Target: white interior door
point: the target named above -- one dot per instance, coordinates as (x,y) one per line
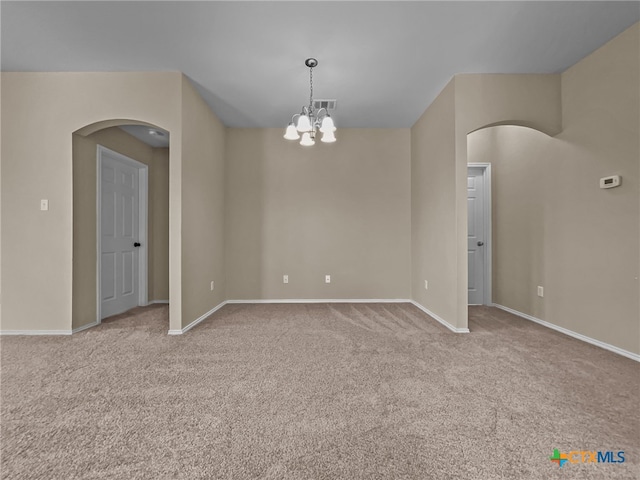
(119,225)
(476,234)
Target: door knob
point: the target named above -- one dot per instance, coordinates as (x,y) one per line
(479,244)
(136,244)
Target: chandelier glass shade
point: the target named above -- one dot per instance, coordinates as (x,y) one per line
(305,125)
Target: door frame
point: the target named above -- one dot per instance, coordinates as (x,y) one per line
(143,192)
(488,251)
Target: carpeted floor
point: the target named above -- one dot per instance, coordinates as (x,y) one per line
(318,391)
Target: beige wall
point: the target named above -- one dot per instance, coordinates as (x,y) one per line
(553,225)
(481,100)
(84,216)
(341,209)
(203,147)
(433,207)
(45,109)
(1,150)
(439,212)
(159,203)
(521,167)
(526,100)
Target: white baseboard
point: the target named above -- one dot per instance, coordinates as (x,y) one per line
(571,333)
(36,332)
(84,327)
(440,319)
(152,302)
(48,332)
(326,300)
(197,320)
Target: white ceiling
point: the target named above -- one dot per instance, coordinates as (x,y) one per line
(383,61)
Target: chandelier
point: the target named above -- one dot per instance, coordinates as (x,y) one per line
(310,120)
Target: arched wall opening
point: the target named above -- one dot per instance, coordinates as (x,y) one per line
(515,207)
(482,101)
(46,108)
(554,227)
(439,160)
(85,285)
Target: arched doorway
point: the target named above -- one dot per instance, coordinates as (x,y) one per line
(521,171)
(119,143)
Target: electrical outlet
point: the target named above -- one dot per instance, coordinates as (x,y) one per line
(212,285)
(327,279)
(44,204)
(426,285)
(285,279)
(540,291)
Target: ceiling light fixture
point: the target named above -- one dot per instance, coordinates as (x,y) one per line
(310,120)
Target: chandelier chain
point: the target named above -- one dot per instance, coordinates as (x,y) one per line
(311,88)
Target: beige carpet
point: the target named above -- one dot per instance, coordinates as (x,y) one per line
(320,391)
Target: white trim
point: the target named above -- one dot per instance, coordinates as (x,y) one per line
(84,327)
(488,241)
(35,332)
(325,300)
(98,233)
(198,320)
(143,237)
(152,302)
(143,192)
(440,319)
(571,333)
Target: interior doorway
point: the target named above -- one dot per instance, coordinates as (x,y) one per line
(479,233)
(145,148)
(122,186)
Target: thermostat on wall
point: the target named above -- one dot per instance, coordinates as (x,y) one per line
(610,182)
